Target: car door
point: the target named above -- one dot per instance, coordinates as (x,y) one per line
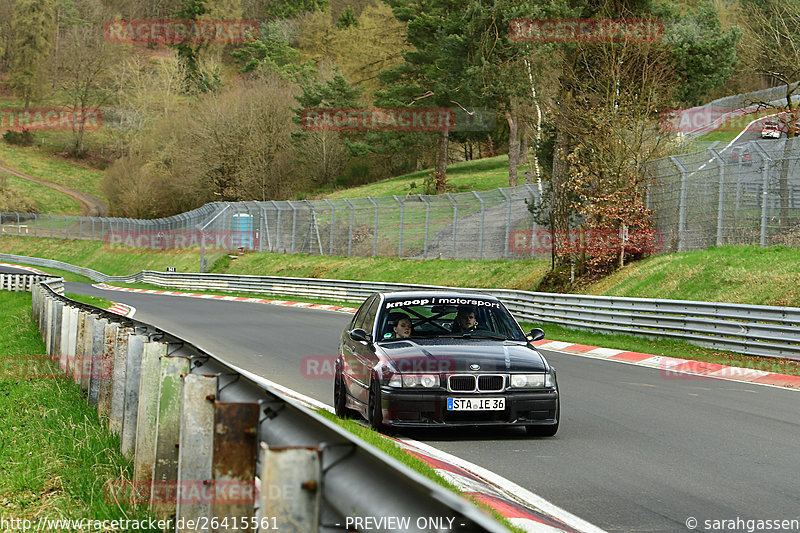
(351,365)
(363,354)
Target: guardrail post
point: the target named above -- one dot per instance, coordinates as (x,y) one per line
(46,325)
(68,359)
(95,366)
(116,413)
(136,355)
(165,468)
(147,419)
(195,466)
(291,487)
(66,328)
(107,371)
(234,459)
(58,330)
(85,366)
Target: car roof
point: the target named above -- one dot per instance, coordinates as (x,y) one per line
(415,295)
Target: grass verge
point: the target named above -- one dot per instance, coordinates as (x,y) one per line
(55,457)
(96,301)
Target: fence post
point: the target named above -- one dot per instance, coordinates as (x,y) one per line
(480,235)
(508,221)
(455,221)
(681,205)
(400,233)
(195,464)
(350,232)
(375,239)
(294,222)
(721,201)
(333,224)
(764,192)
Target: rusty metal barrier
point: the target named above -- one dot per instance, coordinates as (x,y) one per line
(217,448)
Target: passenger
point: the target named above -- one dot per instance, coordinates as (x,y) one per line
(465,320)
(402,328)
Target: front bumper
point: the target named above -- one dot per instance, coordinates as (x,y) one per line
(403,408)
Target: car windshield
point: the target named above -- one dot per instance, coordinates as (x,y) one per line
(447,317)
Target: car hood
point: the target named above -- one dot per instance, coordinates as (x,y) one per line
(460,355)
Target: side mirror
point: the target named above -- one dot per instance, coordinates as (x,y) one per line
(536,334)
(359,334)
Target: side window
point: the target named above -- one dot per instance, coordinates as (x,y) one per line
(358,320)
(369,317)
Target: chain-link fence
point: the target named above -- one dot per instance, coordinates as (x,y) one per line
(746,193)
(475,225)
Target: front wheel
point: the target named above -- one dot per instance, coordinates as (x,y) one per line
(340,397)
(374,406)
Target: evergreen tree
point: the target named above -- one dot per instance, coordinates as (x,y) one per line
(33,43)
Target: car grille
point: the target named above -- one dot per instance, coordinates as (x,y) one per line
(477,383)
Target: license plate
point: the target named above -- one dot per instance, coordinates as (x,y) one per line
(476,404)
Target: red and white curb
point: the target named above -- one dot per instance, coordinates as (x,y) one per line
(28,268)
(220,297)
(676,368)
(122,309)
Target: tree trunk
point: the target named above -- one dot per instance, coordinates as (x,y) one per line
(441,166)
(513,144)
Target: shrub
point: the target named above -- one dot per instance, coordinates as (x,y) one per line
(20,138)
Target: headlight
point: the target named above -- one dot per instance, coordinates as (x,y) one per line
(426,381)
(529,381)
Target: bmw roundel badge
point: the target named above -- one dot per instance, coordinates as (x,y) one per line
(474,366)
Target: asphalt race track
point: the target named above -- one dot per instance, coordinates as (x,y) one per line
(636,451)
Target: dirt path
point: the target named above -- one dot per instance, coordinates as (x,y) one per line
(91,206)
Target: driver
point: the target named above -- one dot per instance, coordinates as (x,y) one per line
(402,328)
(465,320)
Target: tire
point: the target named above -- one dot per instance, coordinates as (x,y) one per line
(546,431)
(374,411)
(340,398)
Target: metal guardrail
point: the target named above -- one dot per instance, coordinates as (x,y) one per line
(768,331)
(204,434)
(20,282)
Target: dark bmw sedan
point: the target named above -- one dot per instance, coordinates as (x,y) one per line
(423,359)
